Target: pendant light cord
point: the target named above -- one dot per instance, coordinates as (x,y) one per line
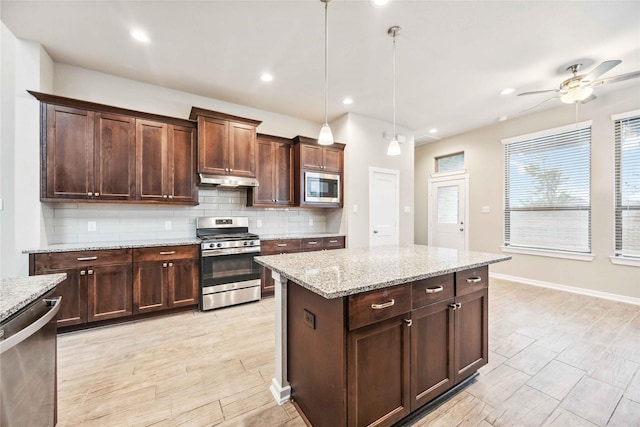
(326,61)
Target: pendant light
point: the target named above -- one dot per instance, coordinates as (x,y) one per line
(394,148)
(326,136)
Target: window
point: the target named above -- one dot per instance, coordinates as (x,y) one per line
(547,190)
(627,172)
(450,163)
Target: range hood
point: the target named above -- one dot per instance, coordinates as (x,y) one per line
(227,181)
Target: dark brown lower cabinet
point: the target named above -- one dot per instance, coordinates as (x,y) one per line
(74,294)
(109,292)
(389,351)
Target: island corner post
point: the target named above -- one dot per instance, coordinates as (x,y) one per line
(280,387)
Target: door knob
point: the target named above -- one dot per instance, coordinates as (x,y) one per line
(462,229)
(375,231)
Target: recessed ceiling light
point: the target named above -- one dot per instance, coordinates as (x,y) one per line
(502,118)
(140,35)
(434,130)
(347,101)
(380,2)
(507,91)
(266,77)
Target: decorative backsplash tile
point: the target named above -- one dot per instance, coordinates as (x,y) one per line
(70,223)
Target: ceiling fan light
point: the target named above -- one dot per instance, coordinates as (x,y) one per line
(576,95)
(326,136)
(394,148)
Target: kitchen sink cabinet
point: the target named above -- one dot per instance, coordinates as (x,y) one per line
(165,277)
(166,156)
(274,173)
(98,284)
(226,143)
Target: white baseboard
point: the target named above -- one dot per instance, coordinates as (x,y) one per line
(572,289)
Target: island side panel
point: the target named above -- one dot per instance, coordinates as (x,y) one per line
(279,386)
(317,356)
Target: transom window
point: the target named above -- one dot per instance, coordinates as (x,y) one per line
(450,162)
(547,192)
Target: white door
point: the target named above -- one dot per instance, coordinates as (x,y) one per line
(448,214)
(384,206)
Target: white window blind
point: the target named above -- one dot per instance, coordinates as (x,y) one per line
(547,190)
(627,171)
(451,162)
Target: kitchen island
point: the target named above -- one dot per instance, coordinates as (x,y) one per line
(369,335)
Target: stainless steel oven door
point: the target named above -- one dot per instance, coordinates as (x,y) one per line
(321,187)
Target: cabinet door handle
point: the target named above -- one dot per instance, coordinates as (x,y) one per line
(90,194)
(83,272)
(383,305)
(282,245)
(168,253)
(230,170)
(409,322)
(164,264)
(87,258)
(455,305)
(170,264)
(97,194)
(89,272)
(474,279)
(170,196)
(434,290)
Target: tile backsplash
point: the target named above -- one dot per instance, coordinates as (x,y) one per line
(70,223)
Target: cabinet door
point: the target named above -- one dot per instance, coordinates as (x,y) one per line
(242,149)
(183,281)
(151,146)
(265,193)
(332,159)
(378,376)
(282,165)
(471,333)
(109,292)
(181,164)
(73,308)
(310,157)
(115,157)
(432,334)
(268,285)
(213,145)
(149,286)
(69,153)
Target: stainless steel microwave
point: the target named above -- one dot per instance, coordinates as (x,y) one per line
(321,187)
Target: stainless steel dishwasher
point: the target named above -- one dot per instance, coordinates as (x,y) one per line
(28,365)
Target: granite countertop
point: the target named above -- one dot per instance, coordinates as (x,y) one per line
(299,236)
(70,247)
(15,294)
(341,272)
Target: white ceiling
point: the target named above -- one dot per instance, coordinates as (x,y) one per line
(453,57)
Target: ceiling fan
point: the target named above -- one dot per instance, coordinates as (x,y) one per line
(579,87)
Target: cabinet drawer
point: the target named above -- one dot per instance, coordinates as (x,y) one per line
(165,253)
(56,260)
(280,246)
(311,244)
(432,290)
(374,306)
(334,242)
(472,280)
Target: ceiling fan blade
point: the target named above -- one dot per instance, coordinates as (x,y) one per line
(539,91)
(615,79)
(540,103)
(600,70)
(588,99)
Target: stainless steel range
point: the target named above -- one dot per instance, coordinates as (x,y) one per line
(228,273)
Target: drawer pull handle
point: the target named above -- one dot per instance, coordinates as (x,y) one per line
(282,245)
(168,253)
(474,279)
(313,243)
(383,305)
(87,258)
(333,241)
(434,290)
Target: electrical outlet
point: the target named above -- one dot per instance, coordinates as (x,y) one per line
(168,225)
(310,222)
(259,223)
(310,319)
(486,209)
(355,208)
(407,209)
(91,226)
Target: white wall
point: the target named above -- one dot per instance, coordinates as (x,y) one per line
(485,163)
(367,148)
(25,65)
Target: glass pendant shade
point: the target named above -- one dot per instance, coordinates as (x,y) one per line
(576,94)
(326,136)
(394,148)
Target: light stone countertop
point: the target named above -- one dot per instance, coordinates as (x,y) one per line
(15,294)
(342,272)
(70,247)
(298,236)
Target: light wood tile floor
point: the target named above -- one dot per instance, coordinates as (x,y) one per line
(556,359)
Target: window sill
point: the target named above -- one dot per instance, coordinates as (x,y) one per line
(548,253)
(622,260)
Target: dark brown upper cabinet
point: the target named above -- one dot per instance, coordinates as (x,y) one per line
(91,153)
(274,171)
(226,143)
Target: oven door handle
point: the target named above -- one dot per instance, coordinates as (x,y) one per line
(230,251)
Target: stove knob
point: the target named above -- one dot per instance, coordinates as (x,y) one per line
(211,245)
(219,245)
(245,243)
(251,243)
